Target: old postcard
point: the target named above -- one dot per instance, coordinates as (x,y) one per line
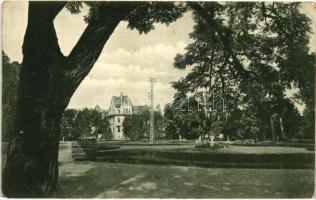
(158,99)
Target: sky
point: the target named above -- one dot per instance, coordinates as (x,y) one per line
(127,61)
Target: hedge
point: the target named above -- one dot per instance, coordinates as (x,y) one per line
(207,159)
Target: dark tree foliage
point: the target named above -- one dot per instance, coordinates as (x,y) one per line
(262,36)
(83,123)
(232,125)
(136,126)
(185,117)
(251,52)
(68,125)
(10,79)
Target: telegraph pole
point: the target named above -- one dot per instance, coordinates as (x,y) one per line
(152,111)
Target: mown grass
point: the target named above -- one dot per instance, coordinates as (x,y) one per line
(119,180)
(201,157)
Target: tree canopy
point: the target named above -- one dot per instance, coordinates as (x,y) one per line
(136,126)
(268,45)
(251,53)
(76,124)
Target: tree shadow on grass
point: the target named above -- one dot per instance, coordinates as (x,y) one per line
(109,180)
(86,180)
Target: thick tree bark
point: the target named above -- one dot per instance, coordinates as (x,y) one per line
(32,161)
(47,82)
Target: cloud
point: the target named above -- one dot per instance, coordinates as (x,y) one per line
(309,8)
(128,71)
(95,91)
(147,61)
(153,56)
(131,73)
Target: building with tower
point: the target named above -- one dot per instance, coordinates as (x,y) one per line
(120,107)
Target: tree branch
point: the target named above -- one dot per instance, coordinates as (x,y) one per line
(46,9)
(41,26)
(224,35)
(91,43)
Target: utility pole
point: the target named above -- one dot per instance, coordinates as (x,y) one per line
(152,111)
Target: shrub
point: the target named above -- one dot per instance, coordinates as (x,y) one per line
(202,145)
(207,145)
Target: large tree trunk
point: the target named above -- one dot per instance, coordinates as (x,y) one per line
(47,82)
(32,161)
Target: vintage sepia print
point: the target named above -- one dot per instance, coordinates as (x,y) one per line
(158,99)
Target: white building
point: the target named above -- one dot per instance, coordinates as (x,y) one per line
(120,107)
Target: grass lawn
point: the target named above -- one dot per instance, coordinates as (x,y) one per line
(90,179)
(186,155)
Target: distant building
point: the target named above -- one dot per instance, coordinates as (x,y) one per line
(120,107)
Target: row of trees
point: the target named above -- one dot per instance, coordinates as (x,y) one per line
(76,124)
(192,121)
(83,123)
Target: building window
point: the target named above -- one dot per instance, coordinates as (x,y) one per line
(118,119)
(119,111)
(118,129)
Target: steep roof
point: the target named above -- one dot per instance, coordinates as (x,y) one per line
(118,101)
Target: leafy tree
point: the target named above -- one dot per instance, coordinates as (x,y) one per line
(248,128)
(103,125)
(160,128)
(232,124)
(245,51)
(137,126)
(10,79)
(79,123)
(68,125)
(307,128)
(185,118)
